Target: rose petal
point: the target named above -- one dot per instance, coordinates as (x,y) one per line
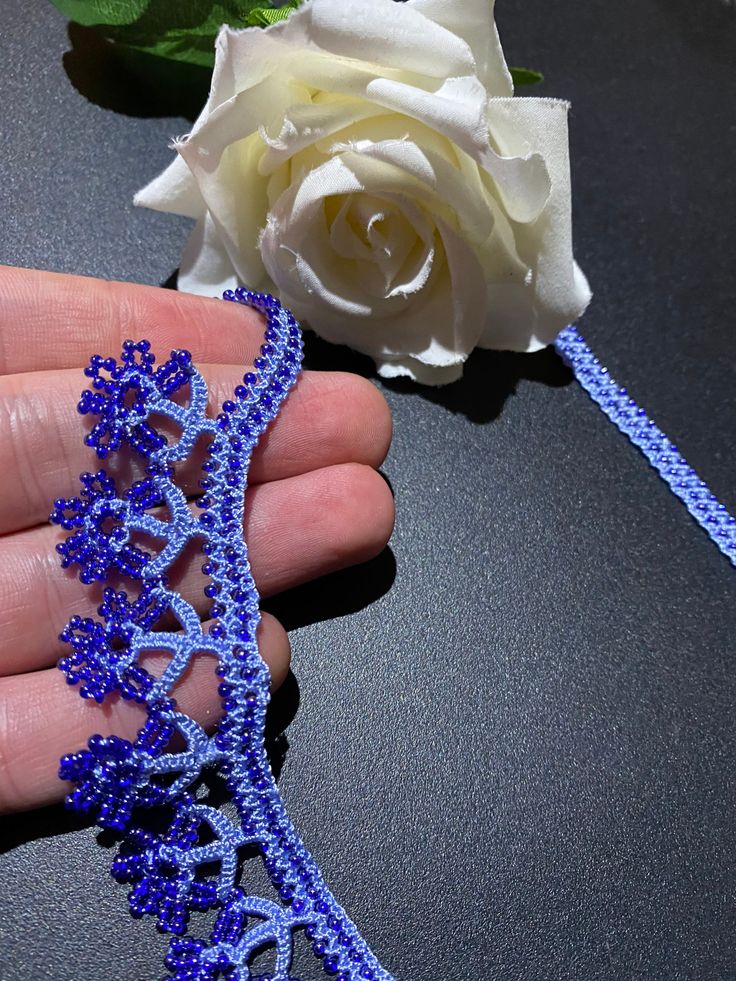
(205,266)
(174,191)
(527,316)
(473,20)
(297,225)
(393,261)
(441,323)
(355,29)
(307,124)
(378,234)
(441,186)
(409,367)
(458,110)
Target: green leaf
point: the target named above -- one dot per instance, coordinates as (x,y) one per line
(183,30)
(525,76)
(263,16)
(91,13)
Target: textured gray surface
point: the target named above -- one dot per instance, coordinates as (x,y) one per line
(513,753)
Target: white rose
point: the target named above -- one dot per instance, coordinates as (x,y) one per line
(365,161)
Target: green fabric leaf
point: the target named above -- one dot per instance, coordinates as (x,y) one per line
(263,16)
(525,76)
(90,13)
(183,30)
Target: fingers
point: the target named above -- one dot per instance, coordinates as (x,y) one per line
(51,320)
(329,418)
(317,506)
(42,718)
(297,529)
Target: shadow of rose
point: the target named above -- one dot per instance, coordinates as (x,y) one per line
(489,377)
(132,82)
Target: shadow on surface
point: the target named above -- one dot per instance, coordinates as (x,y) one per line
(320,355)
(47,822)
(131,82)
(489,378)
(336,595)
(282,711)
(172,281)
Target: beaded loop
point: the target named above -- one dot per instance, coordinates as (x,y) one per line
(119,782)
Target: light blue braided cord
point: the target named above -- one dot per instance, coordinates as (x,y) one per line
(633,421)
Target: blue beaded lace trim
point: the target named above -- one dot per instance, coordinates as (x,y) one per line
(178,854)
(633,421)
(147,791)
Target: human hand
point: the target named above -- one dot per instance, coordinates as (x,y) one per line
(315,504)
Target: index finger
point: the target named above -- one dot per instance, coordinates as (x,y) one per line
(53,320)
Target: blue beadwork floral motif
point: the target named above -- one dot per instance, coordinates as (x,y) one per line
(166,861)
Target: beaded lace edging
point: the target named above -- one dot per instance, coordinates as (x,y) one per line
(146,790)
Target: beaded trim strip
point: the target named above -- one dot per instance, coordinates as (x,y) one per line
(147,791)
(633,421)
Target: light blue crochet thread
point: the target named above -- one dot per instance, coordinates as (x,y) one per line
(124,784)
(633,421)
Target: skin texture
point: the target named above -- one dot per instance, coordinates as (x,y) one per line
(316,503)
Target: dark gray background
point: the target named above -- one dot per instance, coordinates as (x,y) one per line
(513,753)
